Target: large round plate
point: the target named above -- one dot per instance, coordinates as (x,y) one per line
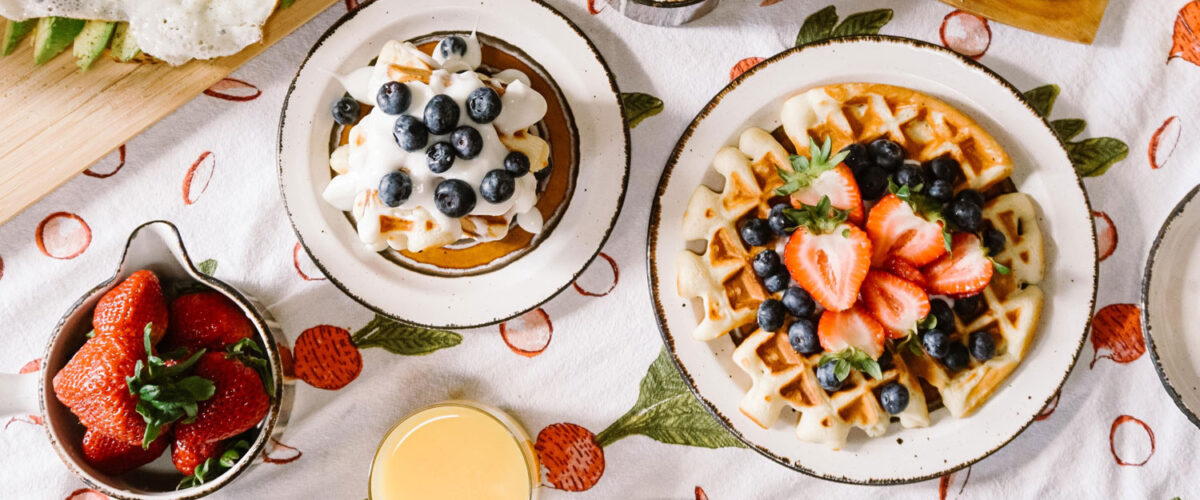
(1169,315)
(1042,170)
(590,91)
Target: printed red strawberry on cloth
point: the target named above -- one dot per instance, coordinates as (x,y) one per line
(820,176)
(827,256)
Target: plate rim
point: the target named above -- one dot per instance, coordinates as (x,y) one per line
(1147,278)
(655,221)
(612,80)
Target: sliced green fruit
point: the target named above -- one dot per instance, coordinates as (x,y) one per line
(53,36)
(91,42)
(14,31)
(123,47)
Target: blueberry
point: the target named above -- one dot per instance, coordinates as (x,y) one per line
(439,157)
(393,98)
(956,358)
(936,343)
(345,111)
(969,196)
(872,182)
(483,105)
(969,308)
(516,163)
(766,263)
(857,157)
(893,397)
(983,346)
(827,376)
(777,282)
(410,133)
(755,232)
(887,154)
(779,222)
(452,45)
(497,186)
(944,168)
(940,309)
(454,197)
(911,176)
(994,240)
(940,190)
(964,215)
(441,114)
(467,142)
(803,336)
(395,188)
(799,302)
(770,315)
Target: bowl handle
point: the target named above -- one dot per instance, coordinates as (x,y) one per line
(19,393)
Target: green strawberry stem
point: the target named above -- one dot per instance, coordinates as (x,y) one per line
(819,219)
(806,169)
(217,465)
(250,354)
(924,206)
(164,393)
(852,358)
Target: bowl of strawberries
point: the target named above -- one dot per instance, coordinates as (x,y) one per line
(160,382)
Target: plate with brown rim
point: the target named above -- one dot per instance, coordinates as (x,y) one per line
(1041,170)
(467,283)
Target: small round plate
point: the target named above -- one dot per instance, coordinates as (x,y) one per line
(1042,170)
(380,281)
(1169,295)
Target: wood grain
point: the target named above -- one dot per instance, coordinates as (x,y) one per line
(57,121)
(1074,20)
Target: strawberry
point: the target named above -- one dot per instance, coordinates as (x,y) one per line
(822,176)
(326,357)
(126,309)
(573,459)
(850,329)
(966,270)
(897,304)
(116,389)
(904,269)
(828,257)
(206,320)
(896,229)
(113,456)
(239,402)
(186,455)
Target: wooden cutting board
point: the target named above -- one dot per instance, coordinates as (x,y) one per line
(1074,20)
(57,120)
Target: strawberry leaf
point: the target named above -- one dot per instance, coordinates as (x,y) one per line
(164,394)
(216,465)
(852,358)
(924,206)
(250,354)
(819,219)
(805,170)
(911,342)
(1000,268)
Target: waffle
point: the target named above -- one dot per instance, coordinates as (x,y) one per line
(722,280)
(1014,306)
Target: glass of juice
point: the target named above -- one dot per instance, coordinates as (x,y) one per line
(455,450)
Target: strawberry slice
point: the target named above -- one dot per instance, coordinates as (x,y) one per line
(819,175)
(897,304)
(828,257)
(964,271)
(841,330)
(896,229)
(904,269)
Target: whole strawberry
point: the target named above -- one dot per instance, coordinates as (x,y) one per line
(239,402)
(112,456)
(125,310)
(186,455)
(205,320)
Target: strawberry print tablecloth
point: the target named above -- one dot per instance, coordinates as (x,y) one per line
(584,372)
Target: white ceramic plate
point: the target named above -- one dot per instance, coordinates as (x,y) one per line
(1170,290)
(593,100)
(1042,171)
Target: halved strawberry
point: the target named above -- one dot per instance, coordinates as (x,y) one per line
(964,271)
(828,257)
(840,330)
(819,175)
(904,269)
(896,229)
(897,304)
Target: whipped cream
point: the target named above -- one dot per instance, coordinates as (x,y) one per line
(372,151)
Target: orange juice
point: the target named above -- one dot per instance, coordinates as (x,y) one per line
(455,450)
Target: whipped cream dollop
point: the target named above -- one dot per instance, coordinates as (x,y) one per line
(373,152)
